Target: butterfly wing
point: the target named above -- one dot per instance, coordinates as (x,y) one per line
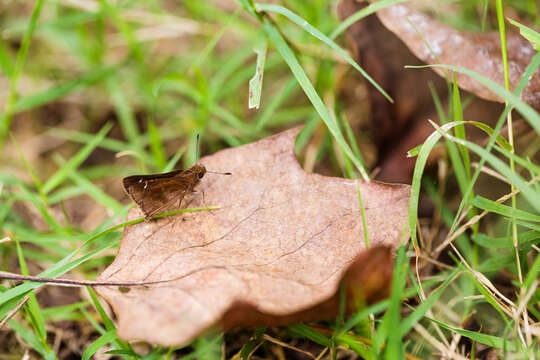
(158,193)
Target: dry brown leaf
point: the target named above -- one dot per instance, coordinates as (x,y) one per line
(274,252)
(480,52)
(398,127)
(384,57)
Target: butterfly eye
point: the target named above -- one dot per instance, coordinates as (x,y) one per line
(200,176)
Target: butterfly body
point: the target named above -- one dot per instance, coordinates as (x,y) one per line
(158,193)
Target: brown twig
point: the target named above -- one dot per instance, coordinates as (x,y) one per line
(68,282)
(14,311)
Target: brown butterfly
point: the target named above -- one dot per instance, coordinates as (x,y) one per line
(157,193)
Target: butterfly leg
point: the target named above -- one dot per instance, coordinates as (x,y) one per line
(204,203)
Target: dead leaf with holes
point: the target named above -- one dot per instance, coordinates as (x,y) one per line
(273,253)
(437,43)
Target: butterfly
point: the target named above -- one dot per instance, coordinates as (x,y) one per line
(157,193)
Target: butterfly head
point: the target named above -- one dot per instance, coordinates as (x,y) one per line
(199,171)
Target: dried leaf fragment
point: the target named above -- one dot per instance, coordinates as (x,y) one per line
(275,250)
(434,42)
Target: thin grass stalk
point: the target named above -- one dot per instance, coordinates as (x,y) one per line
(5,119)
(502,33)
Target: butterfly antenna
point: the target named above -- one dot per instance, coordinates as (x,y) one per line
(219,173)
(197,160)
(197,150)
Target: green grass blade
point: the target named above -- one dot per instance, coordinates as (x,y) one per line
(394,345)
(156,146)
(109,325)
(457,165)
(529,193)
(255,83)
(42,208)
(208,347)
(423,154)
(500,140)
(231,66)
(495,207)
(252,344)
(418,172)
(31,339)
(362,13)
(526,163)
(112,10)
(57,269)
(101,341)
(502,36)
(459,130)
(92,190)
(68,312)
(124,112)
(313,335)
(5,61)
(93,322)
(33,174)
(214,41)
(363,215)
(533,274)
(274,104)
(355,345)
(287,54)
(485,339)
(172,162)
(319,35)
(363,314)
(130,353)
(408,323)
(495,264)
(526,110)
(526,238)
(59,91)
(58,177)
(528,33)
(351,137)
(107,143)
(5,119)
(32,306)
(529,71)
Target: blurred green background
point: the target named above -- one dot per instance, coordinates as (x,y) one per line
(92,91)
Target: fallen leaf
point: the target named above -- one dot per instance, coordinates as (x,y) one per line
(274,252)
(384,57)
(480,52)
(400,126)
